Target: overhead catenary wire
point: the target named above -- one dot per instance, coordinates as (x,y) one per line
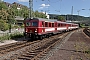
(53,6)
(54,1)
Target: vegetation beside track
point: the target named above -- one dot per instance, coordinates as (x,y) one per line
(11,36)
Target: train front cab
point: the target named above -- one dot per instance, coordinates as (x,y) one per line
(31,28)
(35,29)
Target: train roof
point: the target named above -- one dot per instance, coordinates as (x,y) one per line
(42,19)
(66,22)
(50,20)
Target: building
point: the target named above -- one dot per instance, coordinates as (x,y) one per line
(19,5)
(47,16)
(19,20)
(14,3)
(8,4)
(53,16)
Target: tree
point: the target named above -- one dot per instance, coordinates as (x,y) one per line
(3,14)
(11,15)
(36,13)
(2,6)
(3,25)
(61,18)
(39,14)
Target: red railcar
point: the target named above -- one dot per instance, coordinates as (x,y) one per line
(39,28)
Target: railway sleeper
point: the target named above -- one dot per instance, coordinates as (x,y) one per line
(38,50)
(28,55)
(31,53)
(44,54)
(24,58)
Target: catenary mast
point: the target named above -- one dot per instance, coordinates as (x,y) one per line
(30,8)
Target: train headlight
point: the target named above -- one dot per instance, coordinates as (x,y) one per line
(26,30)
(35,31)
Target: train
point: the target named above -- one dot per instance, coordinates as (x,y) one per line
(40,27)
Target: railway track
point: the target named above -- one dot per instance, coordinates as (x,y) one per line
(30,50)
(87,31)
(13,46)
(9,46)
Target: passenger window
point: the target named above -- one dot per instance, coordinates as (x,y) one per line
(46,24)
(59,25)
(42,24)
(52,24)
(34,24)
(49,24)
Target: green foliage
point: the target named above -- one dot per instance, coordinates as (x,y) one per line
(16,26)
(11,36)
(40,15)
(22,26)
(2,6)
(3,14)
(3,25)
(16,35)
(75,17)
(61,18)
(7,15)
(88,52)
(6,37)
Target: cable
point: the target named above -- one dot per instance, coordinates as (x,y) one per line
(48,2)
(54,1)
(53,6)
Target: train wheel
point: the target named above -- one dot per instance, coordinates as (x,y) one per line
(40,37)
(47,36)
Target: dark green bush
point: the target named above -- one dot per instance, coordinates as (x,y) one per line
(3,25)
(11,36)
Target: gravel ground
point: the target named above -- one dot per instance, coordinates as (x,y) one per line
(7,42)
(73,48)
(11,41)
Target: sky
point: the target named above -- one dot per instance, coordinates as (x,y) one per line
(80,7)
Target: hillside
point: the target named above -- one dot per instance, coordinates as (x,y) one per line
(70,17)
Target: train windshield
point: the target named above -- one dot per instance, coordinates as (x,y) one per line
(34,24)
(27,23)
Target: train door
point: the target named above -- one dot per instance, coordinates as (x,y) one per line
(55,26)
(67,26)
(43,26)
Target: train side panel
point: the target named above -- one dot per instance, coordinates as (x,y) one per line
(43,28)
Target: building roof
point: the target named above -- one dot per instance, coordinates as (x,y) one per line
(19,18)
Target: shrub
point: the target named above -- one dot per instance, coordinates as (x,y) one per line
(3,25)
(11,36)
